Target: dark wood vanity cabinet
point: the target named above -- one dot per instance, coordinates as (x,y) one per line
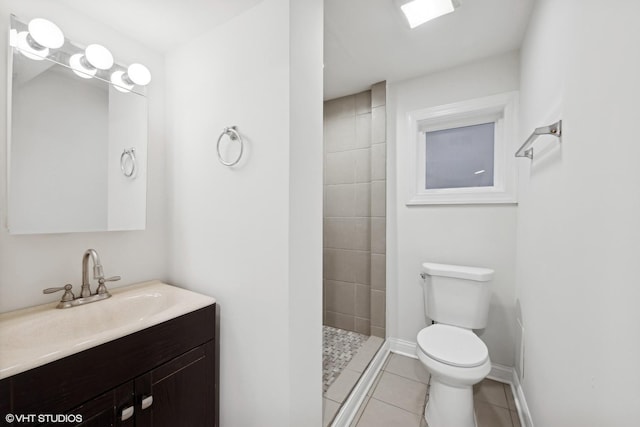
(165,375)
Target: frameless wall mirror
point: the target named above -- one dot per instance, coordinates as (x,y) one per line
(77,137)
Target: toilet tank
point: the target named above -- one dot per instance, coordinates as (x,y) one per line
(457,295)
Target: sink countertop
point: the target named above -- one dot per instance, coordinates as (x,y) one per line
(38,335)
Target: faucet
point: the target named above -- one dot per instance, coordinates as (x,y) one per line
(85,291)
(85,297)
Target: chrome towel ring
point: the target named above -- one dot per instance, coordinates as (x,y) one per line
(128,153)
(232,132)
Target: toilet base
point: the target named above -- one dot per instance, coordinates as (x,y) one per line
(449,406)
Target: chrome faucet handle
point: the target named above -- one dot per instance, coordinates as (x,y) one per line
(102,289)
(67,296)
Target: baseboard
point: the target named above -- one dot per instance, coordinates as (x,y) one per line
(500,373)
(403,347)
(350,407)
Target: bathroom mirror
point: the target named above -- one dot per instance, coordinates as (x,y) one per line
(76,146)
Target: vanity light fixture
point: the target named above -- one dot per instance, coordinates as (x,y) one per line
(75,62)
(45,33)
(39,37)
(119,82)
(97,56)
(418,12)
(25,48)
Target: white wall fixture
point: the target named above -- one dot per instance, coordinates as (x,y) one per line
(418,12)
(41,39)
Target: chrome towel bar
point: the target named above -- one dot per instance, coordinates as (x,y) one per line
(526,150)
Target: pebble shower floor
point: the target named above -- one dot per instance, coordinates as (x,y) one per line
(338,348)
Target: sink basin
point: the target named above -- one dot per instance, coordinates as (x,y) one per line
(38,335)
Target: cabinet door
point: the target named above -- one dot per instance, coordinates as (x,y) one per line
(180,393)
(107,410)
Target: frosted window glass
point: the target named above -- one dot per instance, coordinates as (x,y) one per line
(460,157)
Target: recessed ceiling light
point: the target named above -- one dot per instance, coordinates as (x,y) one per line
(420,11)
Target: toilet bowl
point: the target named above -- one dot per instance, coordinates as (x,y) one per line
(457,297)
(456,359)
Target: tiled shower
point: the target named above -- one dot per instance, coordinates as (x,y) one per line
(354,212)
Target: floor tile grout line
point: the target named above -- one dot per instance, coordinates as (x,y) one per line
(406,378)
(395,406)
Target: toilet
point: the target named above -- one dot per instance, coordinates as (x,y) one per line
(457,299)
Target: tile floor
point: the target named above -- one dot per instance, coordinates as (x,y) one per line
(399,393)
(338,348)
(339,390)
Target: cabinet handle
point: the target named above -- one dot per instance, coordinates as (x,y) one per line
(127,413)
(147,401)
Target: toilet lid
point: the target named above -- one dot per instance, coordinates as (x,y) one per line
(453,346)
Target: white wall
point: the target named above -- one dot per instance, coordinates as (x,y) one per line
(250,235)
(578,225)
(476,235)
(30,263)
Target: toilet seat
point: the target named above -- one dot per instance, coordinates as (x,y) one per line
(453,346)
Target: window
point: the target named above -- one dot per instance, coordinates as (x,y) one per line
(463,152)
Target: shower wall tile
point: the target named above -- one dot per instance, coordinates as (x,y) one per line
(340,135)
(340,107)
(362,267)
(338,233)
(363,131)
(378,332)
(363,326)
(378,235)
(378,198)
(379,162)
(362,164)
(354,212)
(378,272)
(340,297)
(362,301)
(378,125)
(339,264)
(361,237)
(378,308)
(341,321)
(340,167)
(363,102)
(362,202)
(379,94)
(340,200)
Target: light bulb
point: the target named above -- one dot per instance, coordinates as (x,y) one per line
(28,50)
(75,62)
(98,56)
(117,78)
(138,74)
(45,33)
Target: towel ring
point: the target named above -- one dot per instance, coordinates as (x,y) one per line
(234,135)
(131,155)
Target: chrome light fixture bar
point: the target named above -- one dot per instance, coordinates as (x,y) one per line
(41,39)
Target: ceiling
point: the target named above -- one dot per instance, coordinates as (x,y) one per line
(367,41)
(162,25)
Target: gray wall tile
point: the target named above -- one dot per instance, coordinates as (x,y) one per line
(379,94)
(340,200)
(378,125)
(378,272)
(363,102)
(379,162)
(340,167)
(340,297)
(378,198)
(363,130)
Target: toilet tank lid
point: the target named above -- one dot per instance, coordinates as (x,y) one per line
(478,274)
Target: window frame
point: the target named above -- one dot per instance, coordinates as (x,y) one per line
(500,109)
